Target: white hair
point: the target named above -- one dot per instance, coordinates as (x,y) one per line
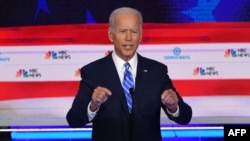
(123,10)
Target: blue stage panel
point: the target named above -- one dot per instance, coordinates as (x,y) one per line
(85,133)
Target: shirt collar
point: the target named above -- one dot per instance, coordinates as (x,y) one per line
(120,63)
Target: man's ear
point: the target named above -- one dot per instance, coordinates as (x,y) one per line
(140,37)
(110,36)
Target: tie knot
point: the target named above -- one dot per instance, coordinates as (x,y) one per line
(127,65)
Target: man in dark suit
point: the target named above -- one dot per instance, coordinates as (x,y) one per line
(101,96)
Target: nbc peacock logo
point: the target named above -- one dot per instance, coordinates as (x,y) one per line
(230,53)
(22,73)
(199,71)
(236,53)
(207,71)
(56,55)
(50,55)
(28,73)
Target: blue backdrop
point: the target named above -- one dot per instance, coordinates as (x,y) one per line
(43,12)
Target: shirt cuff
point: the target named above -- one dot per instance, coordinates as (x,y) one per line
(91,114)
(176,114)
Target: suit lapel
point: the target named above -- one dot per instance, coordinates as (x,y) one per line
(114,82)
(141,79)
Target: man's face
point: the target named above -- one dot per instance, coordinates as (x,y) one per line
(126,35)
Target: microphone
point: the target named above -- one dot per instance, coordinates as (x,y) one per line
(131,91)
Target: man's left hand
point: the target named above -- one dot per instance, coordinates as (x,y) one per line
(169,98)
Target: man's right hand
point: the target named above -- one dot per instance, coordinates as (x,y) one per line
(99,96)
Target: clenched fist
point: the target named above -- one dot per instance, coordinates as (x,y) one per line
(99,96)
(169,98)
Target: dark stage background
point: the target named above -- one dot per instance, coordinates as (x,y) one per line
(47,12)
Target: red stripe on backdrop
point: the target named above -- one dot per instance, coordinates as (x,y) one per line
(20,90)
(152,34)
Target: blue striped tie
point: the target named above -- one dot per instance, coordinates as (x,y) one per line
(127,85)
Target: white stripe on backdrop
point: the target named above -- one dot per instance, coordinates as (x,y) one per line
(52,111)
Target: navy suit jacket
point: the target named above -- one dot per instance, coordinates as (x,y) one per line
(113,121)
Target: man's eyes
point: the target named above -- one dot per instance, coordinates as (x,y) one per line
(122,31)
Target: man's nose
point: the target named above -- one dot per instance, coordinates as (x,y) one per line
(128,35)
